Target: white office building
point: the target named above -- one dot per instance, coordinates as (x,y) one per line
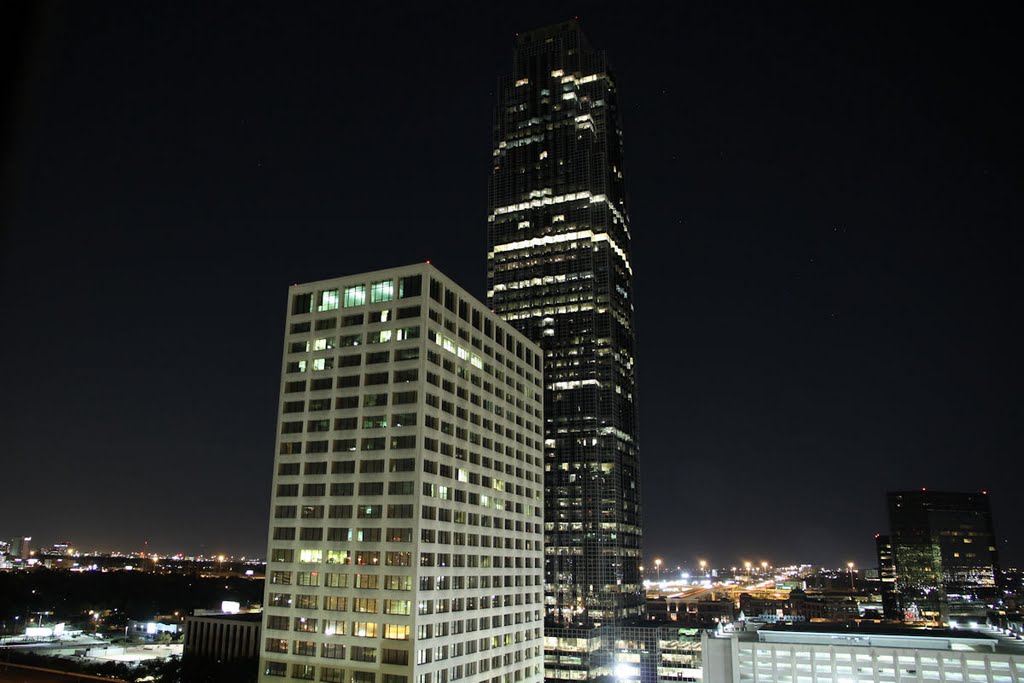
(406,532)
(837,655)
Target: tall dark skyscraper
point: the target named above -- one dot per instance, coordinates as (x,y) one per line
(559,270)
(944,551)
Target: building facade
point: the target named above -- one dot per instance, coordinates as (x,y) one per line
(799,656)
(406,532)
(222,637)
(944,554)
(558,269)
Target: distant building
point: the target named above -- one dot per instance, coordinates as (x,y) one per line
(810,654)
(222,637)
(944,554)
(154,628)
(887,577)
(406,536)
(19,547)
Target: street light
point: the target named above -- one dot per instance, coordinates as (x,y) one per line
(849,567)
(657,566)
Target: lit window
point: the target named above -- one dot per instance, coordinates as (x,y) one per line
(337,557)
(328,300)
(382,291)
(364,629)
(355,296)
(308,555)
(396,631)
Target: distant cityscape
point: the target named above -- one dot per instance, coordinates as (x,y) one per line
(456,487)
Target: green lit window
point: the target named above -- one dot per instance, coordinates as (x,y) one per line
(338,557)
(355,296)
(328,300)
(382,291)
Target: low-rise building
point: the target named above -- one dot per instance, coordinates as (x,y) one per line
(831,653)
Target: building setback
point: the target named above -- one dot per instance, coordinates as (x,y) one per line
(406,536)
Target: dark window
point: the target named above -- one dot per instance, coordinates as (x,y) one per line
(342,445)
(410,375)
(342,488)
(407,354)
(316,468)
(302,303)
(349,320)
(403,397)
(410,286)
(399,442)
(404,312)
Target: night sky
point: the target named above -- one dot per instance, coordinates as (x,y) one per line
(825,203)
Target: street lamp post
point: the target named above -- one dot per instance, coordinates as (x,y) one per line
(657,566)
(849,568)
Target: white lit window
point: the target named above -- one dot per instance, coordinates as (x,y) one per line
(328,300)
(310,555)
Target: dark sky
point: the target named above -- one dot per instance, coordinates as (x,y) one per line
(825,204)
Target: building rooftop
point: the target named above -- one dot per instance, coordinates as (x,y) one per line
(981,639)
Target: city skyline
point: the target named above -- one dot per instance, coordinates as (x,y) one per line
(823,237)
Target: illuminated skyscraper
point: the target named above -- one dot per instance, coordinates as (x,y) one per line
(944,551)
(558,269)
(406,537)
